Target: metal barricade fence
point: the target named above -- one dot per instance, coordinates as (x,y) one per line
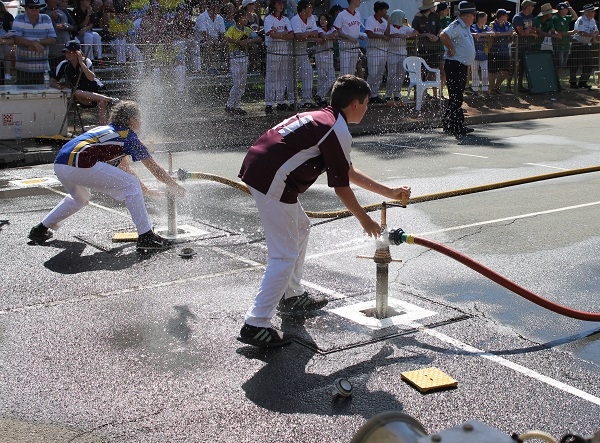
(125,62)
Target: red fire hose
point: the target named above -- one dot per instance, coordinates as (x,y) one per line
(502,281)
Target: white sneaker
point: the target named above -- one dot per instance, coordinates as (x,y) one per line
(7,77)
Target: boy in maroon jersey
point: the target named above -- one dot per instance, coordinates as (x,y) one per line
(283,163)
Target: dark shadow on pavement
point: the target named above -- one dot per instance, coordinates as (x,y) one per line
(283,384)
(71,261)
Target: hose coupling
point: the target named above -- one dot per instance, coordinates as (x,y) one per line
(397,236)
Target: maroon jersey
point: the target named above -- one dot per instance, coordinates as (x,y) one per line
(287,159)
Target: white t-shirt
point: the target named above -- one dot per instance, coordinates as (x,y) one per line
(378,28)
(299,26)
(348,23)
(213,28)
(275,24)
(398,45)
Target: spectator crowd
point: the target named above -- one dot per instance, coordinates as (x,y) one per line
(290,42)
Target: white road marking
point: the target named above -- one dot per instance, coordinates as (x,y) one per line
(512,217)
(547,166)
(511,365)
(468,155)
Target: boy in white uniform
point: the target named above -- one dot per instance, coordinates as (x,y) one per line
(376,28)
(347,23)
(278,36)
(398,33)
(304,26)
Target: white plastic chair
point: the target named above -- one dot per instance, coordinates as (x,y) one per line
(414,67)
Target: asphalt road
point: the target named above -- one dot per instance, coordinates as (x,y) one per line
(98,343)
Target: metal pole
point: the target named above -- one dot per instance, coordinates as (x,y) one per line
(171,207)
(382,258)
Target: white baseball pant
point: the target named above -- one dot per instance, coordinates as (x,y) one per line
(483,80)
(395,76)
(276,73)
(325,71)
(238,64)
(104,178)
(376,58)
(286,229)
(349,53)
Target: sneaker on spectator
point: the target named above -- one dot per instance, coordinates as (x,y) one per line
(304,302)
(149,241)
(238,111)
(39,234)
(263,337)
(268,109)
(583,85)
(308,106)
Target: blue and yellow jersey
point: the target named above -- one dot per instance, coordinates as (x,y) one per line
(102,144)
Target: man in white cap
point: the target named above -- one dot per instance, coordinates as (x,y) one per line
(586,35)
(527,37)
(459,54)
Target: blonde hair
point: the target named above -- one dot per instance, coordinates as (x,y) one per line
(123,112)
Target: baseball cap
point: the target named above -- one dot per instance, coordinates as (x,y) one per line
(527,3)
(247,2)
(465,7)
(72,45)
(501,12)
(562,6)
(39,3)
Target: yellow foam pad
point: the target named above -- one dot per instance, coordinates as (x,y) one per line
(125,237)
(429,379)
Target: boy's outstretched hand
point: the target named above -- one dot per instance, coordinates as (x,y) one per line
(403,192)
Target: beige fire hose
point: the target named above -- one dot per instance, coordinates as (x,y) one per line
(183,175)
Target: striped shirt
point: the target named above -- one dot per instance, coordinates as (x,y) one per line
(102,144)
(28,60)
(287,159)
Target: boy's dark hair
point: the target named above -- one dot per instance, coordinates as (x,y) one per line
(335,9)
(302,5)
(123,112)
(378,6)
(272,3)
(348,88)
(239,14)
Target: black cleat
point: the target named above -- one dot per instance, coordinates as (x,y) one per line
(304,302)
(149,241)
(263,337)
(39,234)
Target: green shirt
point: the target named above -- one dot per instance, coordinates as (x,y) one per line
(562,24)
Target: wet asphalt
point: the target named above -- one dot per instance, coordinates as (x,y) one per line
(100,343)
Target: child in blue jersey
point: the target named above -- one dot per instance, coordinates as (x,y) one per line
(98,160)
(281,165)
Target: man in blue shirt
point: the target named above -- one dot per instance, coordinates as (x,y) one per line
(527,37)
(458,56)
(585,37)
(34,34)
